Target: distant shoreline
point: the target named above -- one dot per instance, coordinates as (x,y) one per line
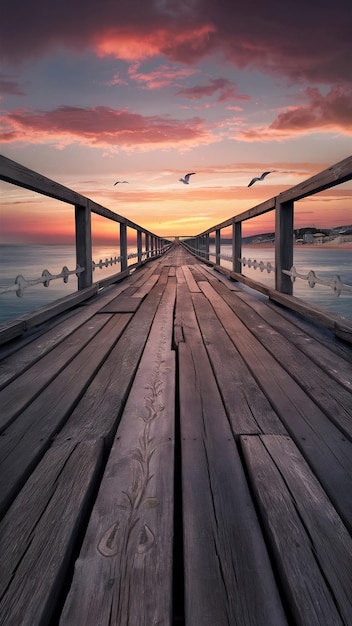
(346,245)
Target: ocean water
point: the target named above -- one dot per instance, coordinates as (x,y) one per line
(30,261)
(325,262)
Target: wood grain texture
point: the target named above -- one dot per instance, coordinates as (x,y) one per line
(312,547)
(228,579)
(328,451)
(99,410)
(263,471)
(337,367)
(27,438)
(122,304)
(246,405)
(211,272)
(39,532)
(192,285)
(325,391)
(124,572)
(26,387)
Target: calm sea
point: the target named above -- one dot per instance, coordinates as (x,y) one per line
(30,261)
(325,262)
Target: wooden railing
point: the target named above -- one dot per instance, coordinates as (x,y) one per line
(154,245)
(148,244)
(283,205)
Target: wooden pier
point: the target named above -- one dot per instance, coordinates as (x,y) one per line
(176,450)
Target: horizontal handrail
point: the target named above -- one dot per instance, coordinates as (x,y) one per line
(16,174)
(336,174)
(283,205)
(149,244)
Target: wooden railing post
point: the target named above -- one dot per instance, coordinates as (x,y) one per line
(217,245)
(236,246)
(147,245)
(84,244)
(139,246)
(283,245)
(206,246)
(123,246)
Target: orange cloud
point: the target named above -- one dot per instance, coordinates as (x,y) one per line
(103,126)
(135,44)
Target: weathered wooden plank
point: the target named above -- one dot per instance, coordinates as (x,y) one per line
(343,330)
(328,451)
(124,572)
(19,393)
(180,275)
(313,312)
(24,442)
(39,532)
(312,548)
(334,175)
(333,364)
(228,577)
(144,289)
(196,272)
(99,410)
(11,329)
(13,172)
(224,278)
(246,405)
(333,398)
(122,304)
(142,274)
(192,285)
(320,333)
(15,357)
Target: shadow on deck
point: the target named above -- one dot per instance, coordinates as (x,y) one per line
(176,450)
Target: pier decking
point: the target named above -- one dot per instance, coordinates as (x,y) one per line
(176,450)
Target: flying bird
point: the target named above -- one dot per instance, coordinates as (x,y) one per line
(120,181)
(185,180)
(254,180)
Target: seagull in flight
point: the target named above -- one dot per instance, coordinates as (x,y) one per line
(120,181)
(254,180)
(185,180)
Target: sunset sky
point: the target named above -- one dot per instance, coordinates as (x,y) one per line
(146,91)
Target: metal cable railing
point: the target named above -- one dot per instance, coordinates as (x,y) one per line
(335,283)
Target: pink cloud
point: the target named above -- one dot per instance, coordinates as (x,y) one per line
(99,126)
(225,88)
(324,113)
(160,76)
(331,112)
